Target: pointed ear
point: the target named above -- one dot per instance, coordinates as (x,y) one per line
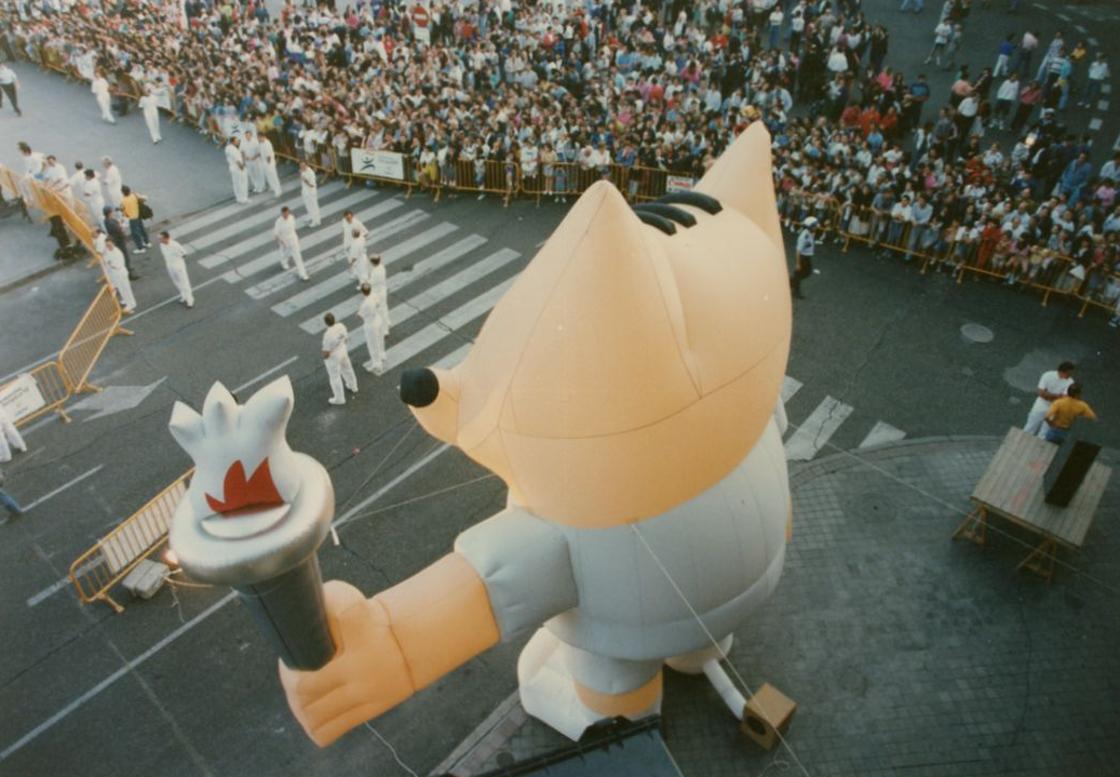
(272,405)
(742,179)
(219,410)
(185,425)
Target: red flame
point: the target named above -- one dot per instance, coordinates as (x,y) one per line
(258,491)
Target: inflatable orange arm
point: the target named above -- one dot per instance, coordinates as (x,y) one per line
(391,646)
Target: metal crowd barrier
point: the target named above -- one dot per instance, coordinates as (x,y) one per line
(54,387)
(97,571)
(89,338)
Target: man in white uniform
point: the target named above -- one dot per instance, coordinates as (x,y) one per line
(117,272)
(111,178)
(350,222)
(377,281)
(236,162)
(150,108)
(100,89)
(174,255)
(77,181)
(309,190)
(268,161)
(374,327)
(356,257)
(32,160)
(9,436)
(251,151)
(337,360)
(284,230)
(1052,385)
(91,196)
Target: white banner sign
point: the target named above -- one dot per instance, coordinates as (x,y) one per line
(379,164)
(679,183)
(21,397)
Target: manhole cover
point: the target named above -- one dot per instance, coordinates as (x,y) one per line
(977,333)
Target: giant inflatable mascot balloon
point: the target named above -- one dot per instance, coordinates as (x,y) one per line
(627,391)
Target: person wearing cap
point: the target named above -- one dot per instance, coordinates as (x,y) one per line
(1052,385)
(803,264)
(1063,412)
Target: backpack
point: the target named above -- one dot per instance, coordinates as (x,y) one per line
(145,208)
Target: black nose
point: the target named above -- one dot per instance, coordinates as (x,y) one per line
(419,387)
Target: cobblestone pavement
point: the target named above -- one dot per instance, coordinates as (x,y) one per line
(906,652)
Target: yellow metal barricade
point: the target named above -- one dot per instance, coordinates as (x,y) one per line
(650,183)
(81,352)
(99,569)
(53,386)
(486,176)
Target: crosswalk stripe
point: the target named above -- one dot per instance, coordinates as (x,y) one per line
(882,433)
(456,319)
(790,386)
(441,291)
(195,223)
(815,432)
(324,259)
(268,215)
(454,358)
(308,243)
(398,280)
(264,236)
(340,280)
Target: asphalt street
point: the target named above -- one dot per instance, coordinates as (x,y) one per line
(184,684)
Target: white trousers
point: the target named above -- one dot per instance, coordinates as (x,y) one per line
(240,184)
(179,277)
(9,438)
(96,211)
(340,371)
(375,343)
(311,202)
(273,179)
(1034,422)
(119,281)
(152,120)
(292,253)
(106,113)
(256,175)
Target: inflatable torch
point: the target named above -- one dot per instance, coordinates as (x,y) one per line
(254,516)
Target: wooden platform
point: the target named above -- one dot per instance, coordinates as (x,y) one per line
(1012,488)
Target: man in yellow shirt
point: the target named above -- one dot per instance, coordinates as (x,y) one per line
(1064,411)
(130,206)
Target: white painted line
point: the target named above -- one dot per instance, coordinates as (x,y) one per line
(1093,42)
(266,217)
(341,280)
(49,591)
(881,433)
(1102,106)
(1106,88)
(1043,6)
(196,223)
(63,713)
(1081,28)
(63,487)
(265,237)
(174,298)
(265,374)
(454,358)
(441,291)
(1095,124)
(456,319)
(817,429)
(1063,17)
(398,280)
(790,386)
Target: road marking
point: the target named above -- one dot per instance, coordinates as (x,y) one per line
(197,223)
(1063,17)
(264,374)
(1106,88)
(790,386)
(441,291)
(341,280)
(817,429)
(265,218)
(63,713)
(454,358)
(881,433)
(49,591)
(399,280)
(1102,106)
(1081,28)
(453,321)
(63,487)
(115,399)
(1095,124)
(265,237)
(1093,42)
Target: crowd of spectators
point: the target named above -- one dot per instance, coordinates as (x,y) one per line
(986,174)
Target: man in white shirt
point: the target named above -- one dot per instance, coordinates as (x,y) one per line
(1098,74)
(803,263)
(9,84)
(336,359)
(100,89)
(251,151)
(236,162)
(1052,385)
(376,278)
(150,108)
(284,230)
(268,162)
(375,327)
(356,257)
(91,196)
(32,160)
(117,272)
(174,256)
(350,222)
(309,191)
(111,179)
